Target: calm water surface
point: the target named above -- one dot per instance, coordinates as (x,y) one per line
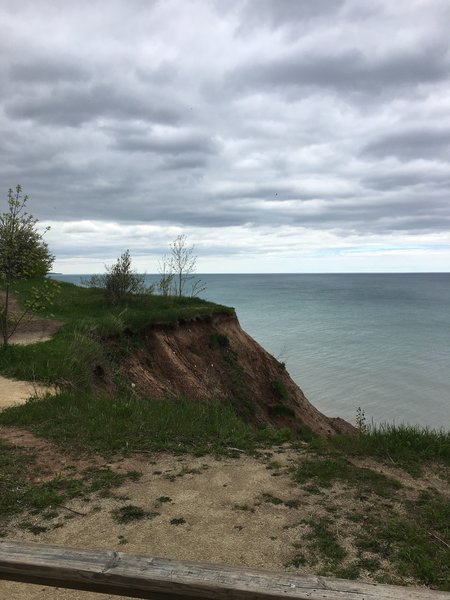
(379,341)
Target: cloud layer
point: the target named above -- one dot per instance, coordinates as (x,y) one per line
(281,135)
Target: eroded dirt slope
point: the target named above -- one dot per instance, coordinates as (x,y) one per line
(213,358)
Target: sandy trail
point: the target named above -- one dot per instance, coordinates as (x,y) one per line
(30,337)
(14,391)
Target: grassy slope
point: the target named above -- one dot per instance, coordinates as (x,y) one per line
(86,320)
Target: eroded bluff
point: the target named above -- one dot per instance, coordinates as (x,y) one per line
(212,358)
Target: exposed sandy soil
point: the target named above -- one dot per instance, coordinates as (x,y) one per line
(226,517)
(32,329)
(215,530)
(13,391)
(213,357)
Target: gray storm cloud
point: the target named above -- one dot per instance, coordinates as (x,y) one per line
(327,115)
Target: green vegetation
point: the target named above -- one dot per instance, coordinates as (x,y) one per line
(271,498)
(218,340)
(119,281)
(83,422)
(130,513)
(23,254)
(325,471)
(281,395)
(240,396)
(280,409)
(178,269)
(390,523)
(280,389)
(19,493)
(414,540)
(363,519)
(324,540)
(406,446)
(88,320)
(163,499)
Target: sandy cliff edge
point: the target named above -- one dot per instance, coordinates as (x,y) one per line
(213,358)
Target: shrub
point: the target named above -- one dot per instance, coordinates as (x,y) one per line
(119,280)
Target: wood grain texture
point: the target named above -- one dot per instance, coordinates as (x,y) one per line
(165,579)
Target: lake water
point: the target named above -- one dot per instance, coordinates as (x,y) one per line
(378,341)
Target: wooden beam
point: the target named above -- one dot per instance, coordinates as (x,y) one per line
(165,579)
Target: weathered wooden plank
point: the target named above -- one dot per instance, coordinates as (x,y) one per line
(166,579)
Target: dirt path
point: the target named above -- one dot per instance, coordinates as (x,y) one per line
(30,331)
(13,391)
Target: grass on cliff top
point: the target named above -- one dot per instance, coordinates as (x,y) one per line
(86,320)
(74,303)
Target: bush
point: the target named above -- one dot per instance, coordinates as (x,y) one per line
(119,280)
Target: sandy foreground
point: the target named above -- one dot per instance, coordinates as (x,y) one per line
(218,505)
(198,508)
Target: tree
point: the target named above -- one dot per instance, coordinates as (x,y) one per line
(23,255)
(181,265)
(119,280)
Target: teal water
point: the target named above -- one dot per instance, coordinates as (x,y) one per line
(378,341)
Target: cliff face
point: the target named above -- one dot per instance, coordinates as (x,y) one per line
(212,358)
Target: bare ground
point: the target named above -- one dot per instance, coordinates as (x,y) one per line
(13,391)
(31,329)
(222,508)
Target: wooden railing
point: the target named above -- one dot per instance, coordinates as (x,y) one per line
(165,579)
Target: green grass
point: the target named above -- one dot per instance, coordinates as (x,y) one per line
(280,390)
(416,542)
(240,395)
(87,321)
(412,535)
(18,494)
(130,513)
(324,471)
(323,539)
(84,422)
(74,302)
(406,446)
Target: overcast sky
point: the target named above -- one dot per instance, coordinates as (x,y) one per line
(279,135)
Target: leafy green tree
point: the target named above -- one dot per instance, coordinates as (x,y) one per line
(119,280)
(23,255)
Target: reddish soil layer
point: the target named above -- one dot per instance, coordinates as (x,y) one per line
(213,358)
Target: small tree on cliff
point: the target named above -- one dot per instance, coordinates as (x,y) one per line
(23,255)
(119,280)
(179,268)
